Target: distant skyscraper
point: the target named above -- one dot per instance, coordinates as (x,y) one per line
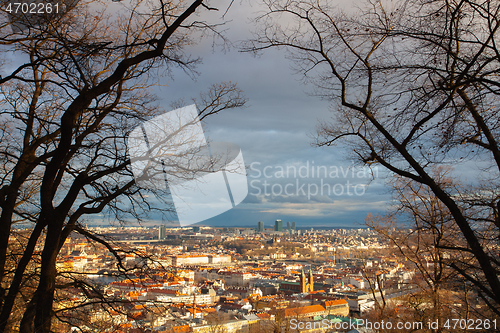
(162,232)
(278,225)
(196,229)
(288,226)
(260,226)
(294,225)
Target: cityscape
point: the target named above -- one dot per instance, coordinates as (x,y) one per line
(221,279)
(262,166)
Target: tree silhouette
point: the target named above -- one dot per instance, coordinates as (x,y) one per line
(414,85)
(83,81)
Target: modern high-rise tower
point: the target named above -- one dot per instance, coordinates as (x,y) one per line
(260,226)
(162,231)
(278,225)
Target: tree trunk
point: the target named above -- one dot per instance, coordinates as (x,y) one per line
(18,277)
(46,286)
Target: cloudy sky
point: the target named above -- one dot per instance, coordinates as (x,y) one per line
(275,132)
(287,177)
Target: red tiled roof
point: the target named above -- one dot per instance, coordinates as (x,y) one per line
(303,310)
(335,302)
(180,329)
(263,315)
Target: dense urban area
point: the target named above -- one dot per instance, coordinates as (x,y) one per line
(271,278)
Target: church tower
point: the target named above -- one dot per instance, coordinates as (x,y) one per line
(303,282)
(306,284)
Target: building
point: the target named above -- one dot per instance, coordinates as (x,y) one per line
(278,225)
(260,226)
(213,294)
(305,285)
(181,260)
(288,226)
(162,231)
(219,259)
(338,307)
(309,311)
(231,326)
(199,299)
(240,279)
(267,288)
(200,259)
(294,225)
(270,302)
(362,301)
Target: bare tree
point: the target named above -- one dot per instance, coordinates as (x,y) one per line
(414,85)
(423,244)
(375,285)
(81,82)
(216,322)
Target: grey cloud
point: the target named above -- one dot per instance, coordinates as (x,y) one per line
(275,128)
